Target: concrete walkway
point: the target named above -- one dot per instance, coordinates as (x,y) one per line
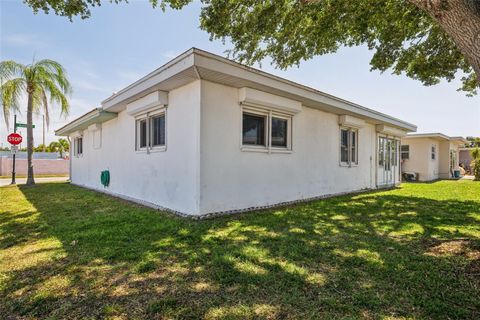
(6,181)
(467,177)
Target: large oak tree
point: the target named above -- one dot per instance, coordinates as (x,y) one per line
(428,40)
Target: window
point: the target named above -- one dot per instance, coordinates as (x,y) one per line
(254,129)
(348,146)
(434,151)
(142,124)
(394,152)
(279,132)
(266,130)
(78,147)
(158,130)
(150,132)
(405,152)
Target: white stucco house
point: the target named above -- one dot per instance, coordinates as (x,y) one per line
(431,156)
(203,134)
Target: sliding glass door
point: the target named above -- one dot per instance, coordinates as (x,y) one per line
(388,162)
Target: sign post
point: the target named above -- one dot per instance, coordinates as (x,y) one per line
(14,139)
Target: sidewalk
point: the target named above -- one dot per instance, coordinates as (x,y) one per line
(6,181)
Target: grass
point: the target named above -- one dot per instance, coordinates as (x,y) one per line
(408,253)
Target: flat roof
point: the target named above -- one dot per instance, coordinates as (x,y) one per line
(96,115)
(436,135)
(195,64)
(212,67)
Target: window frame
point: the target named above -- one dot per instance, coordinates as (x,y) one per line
(264,115)
(78,147)
(148,118)
(433,152)
(268,114)
(349,162)
(404,152)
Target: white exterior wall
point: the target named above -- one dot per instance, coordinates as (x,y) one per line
(420,160)
(166,178)
(234,179)
(203,169)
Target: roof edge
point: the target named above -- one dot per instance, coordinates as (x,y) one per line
(436,135)
(83,120)
(369,113)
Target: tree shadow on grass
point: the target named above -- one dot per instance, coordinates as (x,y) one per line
(364,256)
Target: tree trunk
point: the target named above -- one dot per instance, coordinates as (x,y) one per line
(460,19)
(30,179)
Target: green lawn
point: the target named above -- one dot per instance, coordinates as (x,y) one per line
(408,253)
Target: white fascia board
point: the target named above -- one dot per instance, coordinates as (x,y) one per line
(436,135)
(177,65)
(427,135)
(458,139)
(95,116)
(195,57)
(212,62)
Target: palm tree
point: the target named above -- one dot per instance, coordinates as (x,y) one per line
(64,146)
(42,81)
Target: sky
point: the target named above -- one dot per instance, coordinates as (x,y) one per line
(121,43)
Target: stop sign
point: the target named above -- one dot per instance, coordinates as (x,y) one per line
(14,138)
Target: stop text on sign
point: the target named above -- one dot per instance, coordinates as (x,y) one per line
(14,138)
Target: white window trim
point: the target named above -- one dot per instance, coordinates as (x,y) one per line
(349,163)
(433,151)
(75,146)
(268,114)
(404,152)
(147,116)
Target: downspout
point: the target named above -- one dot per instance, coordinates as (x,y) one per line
(375,153)
(198,185)
(70,159)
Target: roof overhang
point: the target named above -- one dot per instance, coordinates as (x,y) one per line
(196,64)
(95,116)
(437,136)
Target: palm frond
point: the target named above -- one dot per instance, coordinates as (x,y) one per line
(45,108)
(10,93)
(56,95)
(56,72)
(10,69)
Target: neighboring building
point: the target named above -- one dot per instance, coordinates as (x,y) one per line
(203,134)
(431,155)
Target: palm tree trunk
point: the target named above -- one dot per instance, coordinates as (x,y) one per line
(30,179)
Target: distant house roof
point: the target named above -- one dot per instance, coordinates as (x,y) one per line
(436,135)
(195,64)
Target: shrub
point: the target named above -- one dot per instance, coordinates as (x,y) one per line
(476,163)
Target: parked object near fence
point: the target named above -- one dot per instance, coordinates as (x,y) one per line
(42,166)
